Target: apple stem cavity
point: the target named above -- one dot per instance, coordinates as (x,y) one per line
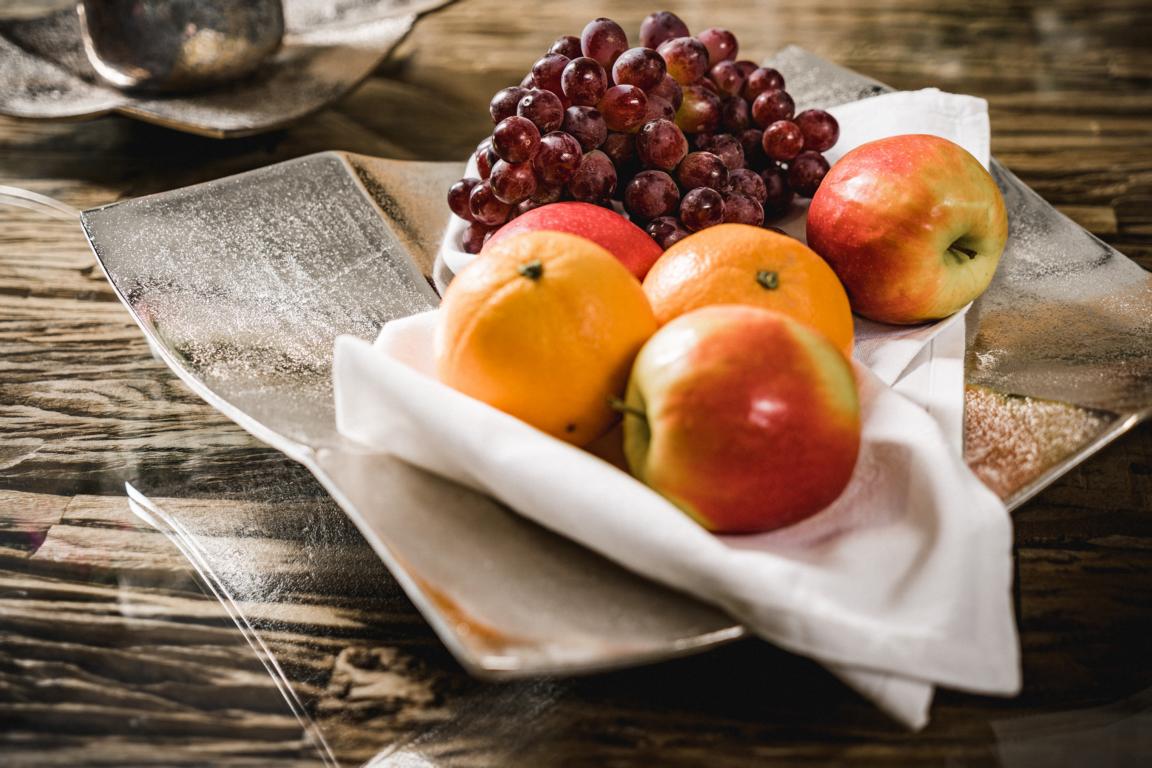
(768,279)
(620,406)
(532,270)
(959,249)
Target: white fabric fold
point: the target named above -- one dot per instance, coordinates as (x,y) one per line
(906,576)
(934,380)
(956,117)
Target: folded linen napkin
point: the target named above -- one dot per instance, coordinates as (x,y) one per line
(934,380)
(902,584)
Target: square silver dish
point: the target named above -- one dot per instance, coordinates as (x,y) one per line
(242,285)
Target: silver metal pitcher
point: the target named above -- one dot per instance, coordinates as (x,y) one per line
(178,45)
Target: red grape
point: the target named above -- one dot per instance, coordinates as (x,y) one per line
(595,179)
(603,40)
(724,146)
(820,129)
(584,81)
(721,44)
(783,140)
(771,106)
(475,236)
(486,207)
(641,67)
(747,67)
(666,231)
(747,182)
(458,197)
(777,193)
(651,194)
(701,208)
(752,141)
(620,148)
(669,90)
(762,79)
(557,158)
(512,182)
(504,103)
(658,109)
(567,45)
(742,209)
(735,115)
(586,125)
(661,144)
(528,83)
(702,169)
(543,108)
(515,139)
(700,112)
(806,172)
(485,157)
(660,26)
(524,206)
(686,58)
(624,108)
(545,194)
(728,78)
(546,72)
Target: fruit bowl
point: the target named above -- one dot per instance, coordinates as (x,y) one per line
(337,243)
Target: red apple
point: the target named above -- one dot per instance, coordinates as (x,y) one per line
(635,249)
(744,418)
(913,225)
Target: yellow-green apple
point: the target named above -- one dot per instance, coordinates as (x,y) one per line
(913,225)
(744,418)
(627,242)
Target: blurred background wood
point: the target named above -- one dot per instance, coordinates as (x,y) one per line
(111,655)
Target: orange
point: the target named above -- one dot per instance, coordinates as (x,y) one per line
(544,326)
(742,264)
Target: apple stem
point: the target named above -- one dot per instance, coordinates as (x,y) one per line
(768,279)
(620,406)
(532,270)
(971,254)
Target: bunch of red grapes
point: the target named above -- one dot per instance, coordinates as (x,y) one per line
(677,130)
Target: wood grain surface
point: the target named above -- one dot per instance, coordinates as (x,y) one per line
(111,653)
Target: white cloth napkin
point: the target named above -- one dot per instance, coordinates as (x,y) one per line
(901,584)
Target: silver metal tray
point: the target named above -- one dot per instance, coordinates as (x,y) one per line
(329,48)
(242,284)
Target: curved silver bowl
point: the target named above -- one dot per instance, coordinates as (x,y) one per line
(328,49)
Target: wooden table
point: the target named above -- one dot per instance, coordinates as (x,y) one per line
(110,653)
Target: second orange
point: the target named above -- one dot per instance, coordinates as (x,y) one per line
(742,264)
